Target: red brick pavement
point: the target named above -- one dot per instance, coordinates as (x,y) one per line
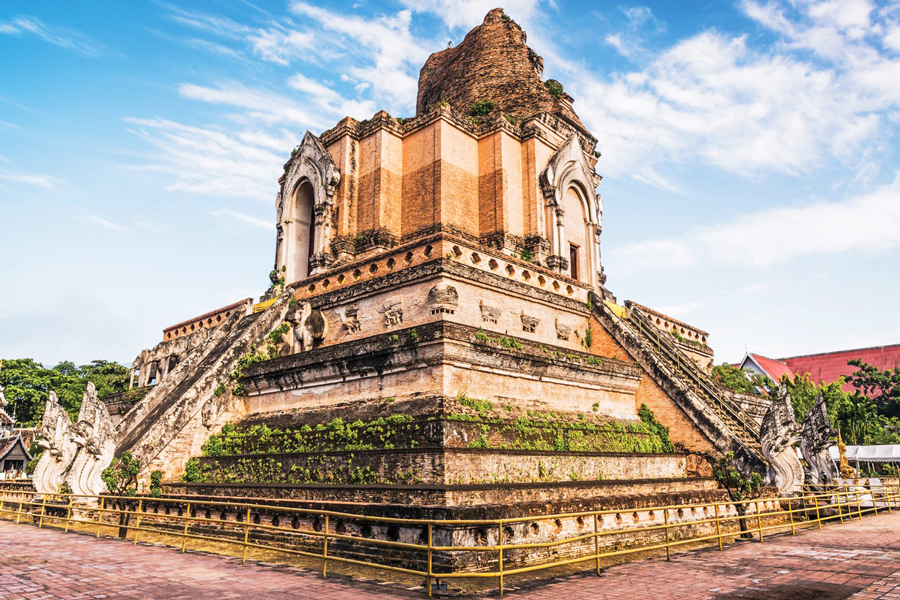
(860,559)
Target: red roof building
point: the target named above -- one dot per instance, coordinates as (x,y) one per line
(761,365)
(826,367)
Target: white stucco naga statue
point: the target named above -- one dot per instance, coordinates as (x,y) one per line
(75,453)
(96,445)
(779,435)
(56,436)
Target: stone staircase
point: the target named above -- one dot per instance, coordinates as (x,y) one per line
(721,419)
(152,424)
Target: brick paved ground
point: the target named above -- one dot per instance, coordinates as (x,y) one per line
(859,560)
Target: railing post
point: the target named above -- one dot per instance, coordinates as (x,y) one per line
(818,515)
(43,510)
(325,550)
(666,524)
(100,516)
(718,526)
(791,513)
(19,512)
(430,544)
(186,523)
(858,506)
(759,522)
(137,523)
(246,534)
(597,540)
(69,513)
(500,562)
(875,501)
(840,496)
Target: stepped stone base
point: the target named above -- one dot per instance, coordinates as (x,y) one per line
(636,504)
(510,494)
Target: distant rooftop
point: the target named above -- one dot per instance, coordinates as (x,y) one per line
(827,367)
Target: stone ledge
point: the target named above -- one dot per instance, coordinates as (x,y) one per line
(379,354)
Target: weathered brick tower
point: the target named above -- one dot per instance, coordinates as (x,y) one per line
(444,336)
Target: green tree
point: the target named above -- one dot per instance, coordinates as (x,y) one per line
(120,478)
(804,392)
(27,384)
(742,381)
(857,416)
(883,387)
(739,488)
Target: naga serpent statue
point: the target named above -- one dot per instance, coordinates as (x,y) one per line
(777,440)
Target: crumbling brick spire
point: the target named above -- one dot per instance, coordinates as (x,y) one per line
(493,63)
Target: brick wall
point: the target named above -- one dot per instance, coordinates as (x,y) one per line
(681,430)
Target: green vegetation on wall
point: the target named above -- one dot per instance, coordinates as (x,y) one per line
(742,381)
(380,433)
(560,432)
(262,454)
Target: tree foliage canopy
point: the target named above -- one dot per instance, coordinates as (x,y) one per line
(27,384)
(868,416)
(120,476)
(737,486)
(883,387)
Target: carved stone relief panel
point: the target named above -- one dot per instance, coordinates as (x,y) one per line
(443,299)
(393,313)
(350,319)
(562,331)
(529,323)
(489,314)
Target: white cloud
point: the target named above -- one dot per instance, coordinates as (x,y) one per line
(282,46)
(329,100)
(47,182)
(233,164)
(465,14)
(680,311)
(58,35)
(381,52)
(824,93)
(220,26)
(864,223)
(255,221)
(629,42)
(105,223)
(269,107)
(892,37)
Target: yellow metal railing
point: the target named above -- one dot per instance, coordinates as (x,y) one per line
(759,517)
(688,368)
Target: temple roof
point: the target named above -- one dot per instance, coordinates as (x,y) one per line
(493,63)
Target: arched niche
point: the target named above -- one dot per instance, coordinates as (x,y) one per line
(577,226)
(573,213)
(305,205)
(300,231)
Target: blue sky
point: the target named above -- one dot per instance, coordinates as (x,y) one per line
(749,155)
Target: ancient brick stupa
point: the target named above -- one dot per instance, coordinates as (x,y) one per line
(438,332)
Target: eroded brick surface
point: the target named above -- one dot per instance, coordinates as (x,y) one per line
(860,560)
